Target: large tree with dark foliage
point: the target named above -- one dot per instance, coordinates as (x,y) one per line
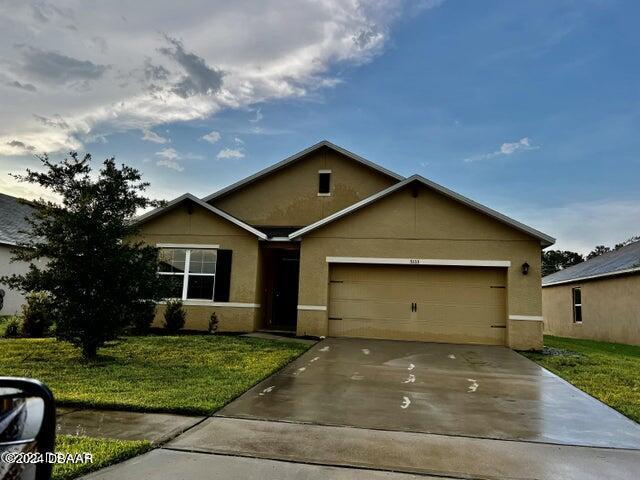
(99,278)
(555,260)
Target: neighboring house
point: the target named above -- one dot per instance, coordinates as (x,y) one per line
(326,243)
(598,299)
(13,213)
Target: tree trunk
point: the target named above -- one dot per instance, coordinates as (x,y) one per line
(89,350)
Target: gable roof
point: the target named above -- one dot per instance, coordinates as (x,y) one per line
(13,214)
(188,197)
(545,240)
(293,158)
(618,262)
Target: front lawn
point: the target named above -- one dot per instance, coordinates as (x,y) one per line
(194,374)
(608,371)
(105,451)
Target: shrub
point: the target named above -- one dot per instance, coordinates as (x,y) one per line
(213,323)
(174,316)
(37,315)
(142,315)
(13,328)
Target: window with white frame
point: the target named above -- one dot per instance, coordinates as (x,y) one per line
(192,272)
(576,296)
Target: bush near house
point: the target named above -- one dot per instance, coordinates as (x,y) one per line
(37,314)
(174,316)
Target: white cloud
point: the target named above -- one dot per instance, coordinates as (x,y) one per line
(169,154)
(238,140)
(172,164)
(521,145)
(258,116)
(230,153)
(121,67)
(151,136)
(212,137)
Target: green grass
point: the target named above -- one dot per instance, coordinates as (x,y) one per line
(105,451)
(608,371)
(194,374)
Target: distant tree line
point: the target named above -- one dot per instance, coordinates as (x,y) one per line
(556,260)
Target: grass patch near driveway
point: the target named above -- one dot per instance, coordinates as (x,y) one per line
(608,371)
(194,374)
(105,451)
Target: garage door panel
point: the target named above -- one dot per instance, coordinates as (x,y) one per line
(372,309)
(454,304)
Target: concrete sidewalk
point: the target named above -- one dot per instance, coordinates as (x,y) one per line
(155,427)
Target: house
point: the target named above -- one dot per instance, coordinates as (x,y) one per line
(598,299)
(327,243)
(13,214)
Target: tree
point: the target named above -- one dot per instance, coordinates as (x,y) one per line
(98,276)
(628,241)
(555,260)
(599,250)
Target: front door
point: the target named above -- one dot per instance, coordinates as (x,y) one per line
(282,269)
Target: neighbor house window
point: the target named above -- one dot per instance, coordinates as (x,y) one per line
(192,272)
(576,296)
(324,182)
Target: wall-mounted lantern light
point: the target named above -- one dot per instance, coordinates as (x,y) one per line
(525,268)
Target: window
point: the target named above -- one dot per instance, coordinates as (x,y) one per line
(576,295)
(324,182)
(192,272)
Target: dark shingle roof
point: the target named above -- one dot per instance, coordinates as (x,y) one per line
(619,261)
(12,219)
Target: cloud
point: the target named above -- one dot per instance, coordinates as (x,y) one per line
(20,146)
(199,78)
(505,149)
(52,67)
(56,122)
(151,136)
(212,137)
(169,154)
(230,153)
(172,164)
(23,86)
(258,116)
(141,78)
(170,159)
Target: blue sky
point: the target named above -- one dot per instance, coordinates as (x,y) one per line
(531,108)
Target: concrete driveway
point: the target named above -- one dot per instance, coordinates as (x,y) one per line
(431,409)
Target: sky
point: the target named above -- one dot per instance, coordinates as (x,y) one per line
(531,108)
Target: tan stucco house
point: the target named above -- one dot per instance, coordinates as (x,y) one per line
(598,299)
(327,243)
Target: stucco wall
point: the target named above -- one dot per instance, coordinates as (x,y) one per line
(203,227)
(428,226)
(289,197)
(610,310)
(13,299)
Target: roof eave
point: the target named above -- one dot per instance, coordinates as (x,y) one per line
(598,276)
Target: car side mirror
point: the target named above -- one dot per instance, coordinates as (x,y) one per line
(27,429)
